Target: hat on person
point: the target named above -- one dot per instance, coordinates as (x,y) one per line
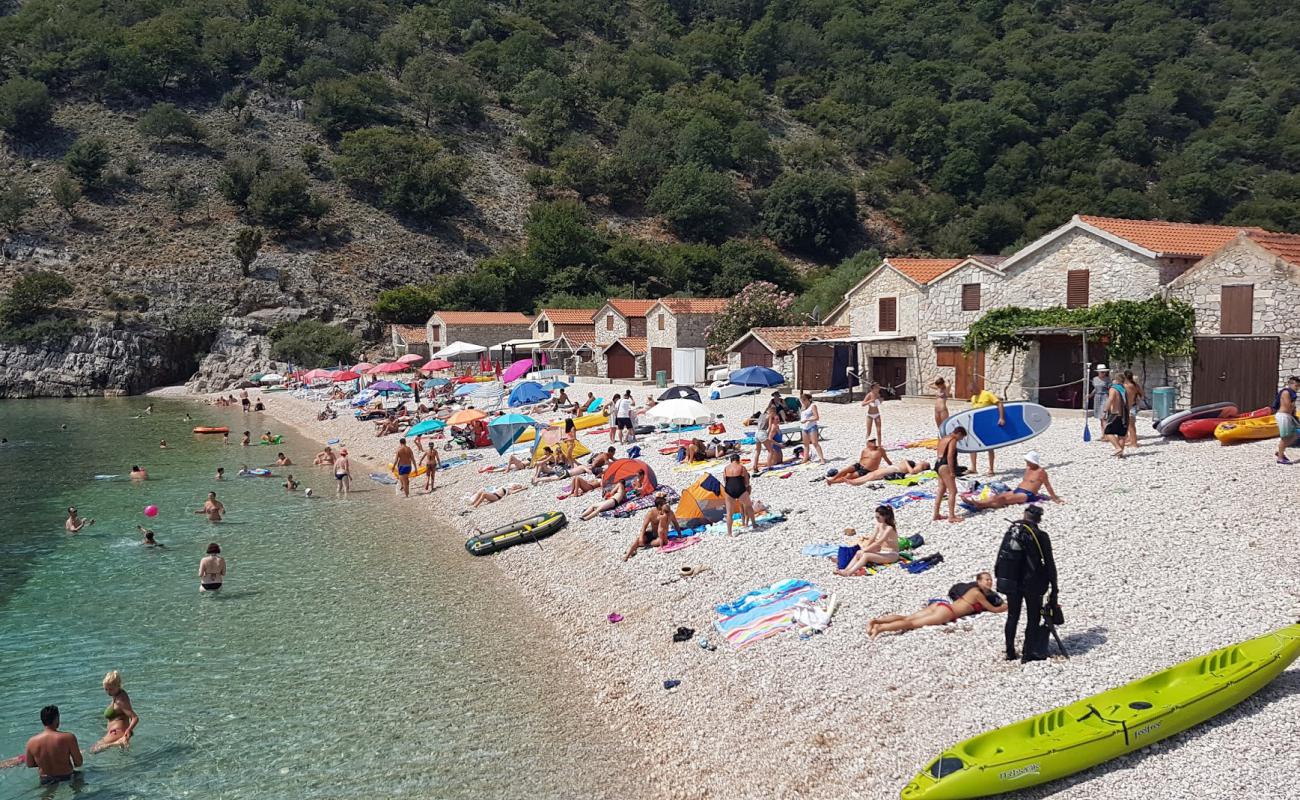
(1103,368)
(1033,458)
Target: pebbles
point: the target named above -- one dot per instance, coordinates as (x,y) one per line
(1176,550)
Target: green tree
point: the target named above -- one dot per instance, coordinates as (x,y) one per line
(699,204)
(408,305)
(444,90)
(245,247)
(758,305)
(827,288)
(25,107)
(86,160)
(31,298)
(280,200)
(237,176)
(345,104)
(66,193)
(15,202)
(182,193)
(815,213)
(311,343)
(403,172)
(164,121)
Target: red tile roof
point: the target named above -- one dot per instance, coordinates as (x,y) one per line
(1285,246)
(569,316)
(695,305)
(923,270)
(1169,238)
(483,318)
(632,308)
(574,338)
(411,334)
(785,339)
(636,345)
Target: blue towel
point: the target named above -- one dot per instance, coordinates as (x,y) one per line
(820,550)
(758,597)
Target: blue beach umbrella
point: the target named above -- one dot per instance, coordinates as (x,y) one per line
(761,377)
(526,393)
(464,389)
(435,383)
(555,386)
(505,429)
(427,426)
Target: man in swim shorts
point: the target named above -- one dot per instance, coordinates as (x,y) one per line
(623,418)
(243,399)
(404,461)
(52,752)
(868,461)
(281,460)
(1029,490)
(892,472)
(342,473)
(1284,415)
(74,524)
(212,508)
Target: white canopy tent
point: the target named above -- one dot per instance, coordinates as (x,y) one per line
(459,349)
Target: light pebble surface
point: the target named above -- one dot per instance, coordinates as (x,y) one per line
(1176,550)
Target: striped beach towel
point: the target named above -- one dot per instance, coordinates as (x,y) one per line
(765,620)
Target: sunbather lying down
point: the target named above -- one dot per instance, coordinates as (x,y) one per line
(964,600)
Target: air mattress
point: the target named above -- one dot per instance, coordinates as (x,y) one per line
(211,430)
(1204,428)
(581,423)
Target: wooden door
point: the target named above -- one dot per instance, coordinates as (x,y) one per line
(619,362)
(1061,370)
(970,374)
(815,363)
(891,373)
(1242,370)
(661,358)
(754,353)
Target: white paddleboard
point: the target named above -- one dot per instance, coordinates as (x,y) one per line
(1024,421)
(723,392)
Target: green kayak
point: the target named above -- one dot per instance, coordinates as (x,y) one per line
(1118,721)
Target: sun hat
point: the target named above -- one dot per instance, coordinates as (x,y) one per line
(1103,368)
(1033,458)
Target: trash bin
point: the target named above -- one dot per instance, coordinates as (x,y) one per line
(1162,401)
(661,379)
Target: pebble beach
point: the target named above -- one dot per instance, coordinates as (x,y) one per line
(1175,550)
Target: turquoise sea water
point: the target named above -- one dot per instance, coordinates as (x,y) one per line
(355,651)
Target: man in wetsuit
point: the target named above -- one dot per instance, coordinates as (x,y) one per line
(1025,569)
(53,752)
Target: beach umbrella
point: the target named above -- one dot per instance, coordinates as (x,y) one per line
(465,416)
(410,358)
(316,374)
(464,389)
(505,429)
(761,377)
(345,375)
(630,468)
(271,377)
(436,365)
(427,426)
(389,368)
(384,387)
(680,412)
(435,383)
(362,367)
(555,386)
(256,377)
(546,373)
(517,370)
(680,393)
(458,349)
(527,393)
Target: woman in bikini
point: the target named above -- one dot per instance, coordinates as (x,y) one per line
(1135,395)
(122,719)
(810,427)
(614,497)
(940,402)
(946,465)
(872,403)
(735,492)
(491,494)
(970,599)
(880,547)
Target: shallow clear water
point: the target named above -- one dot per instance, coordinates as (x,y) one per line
(355,651)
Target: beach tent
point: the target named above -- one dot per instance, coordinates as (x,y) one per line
(516,370)
(426,426)
(680,393)
(680,412)
(459,349)
(702,503)
(527,393)
(631,468)
(761,377)
(505,429)
(554,439)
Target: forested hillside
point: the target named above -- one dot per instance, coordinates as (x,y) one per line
(570,148)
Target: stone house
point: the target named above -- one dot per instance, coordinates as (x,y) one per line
(679,322)
(622,359)
(483,328)
(776,348)
(952,301)
(408,339)
(552,322)
(622,319)
(1244,295)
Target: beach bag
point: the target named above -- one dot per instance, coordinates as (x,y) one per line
(1053,613)
(717,428)
(845,555)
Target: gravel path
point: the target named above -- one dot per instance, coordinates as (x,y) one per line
(1179,549)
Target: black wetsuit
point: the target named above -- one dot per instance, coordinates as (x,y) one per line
(1025,570)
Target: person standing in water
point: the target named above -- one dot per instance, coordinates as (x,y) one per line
(212,570)
(404,461)
(74,524)
(243,399)
(122,719)
(52,752)
(343,473)
(212,508)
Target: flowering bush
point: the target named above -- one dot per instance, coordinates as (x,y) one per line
(758,305)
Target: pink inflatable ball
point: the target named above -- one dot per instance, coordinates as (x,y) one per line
(151,511)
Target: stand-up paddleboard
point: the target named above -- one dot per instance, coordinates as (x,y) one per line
(1024,421)
(723,392)
(1169,425)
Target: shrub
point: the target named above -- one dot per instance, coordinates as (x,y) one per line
(280,200)
(86,160)
(65,192)
(237,176)
(182,193)
(408,305)
(310,343)
(165,121)
(403,172)
(15,202)
(444,90)
(346,104)
(32,297)
(699,204)
(815,213)
(25,106)
(245,247)
(758,305)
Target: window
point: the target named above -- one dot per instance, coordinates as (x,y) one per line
(435,331)
(970,297)
(543,326)
(1237,309)
(609,322)
(1076,288)
(888,318)
(945,356)
(660,321)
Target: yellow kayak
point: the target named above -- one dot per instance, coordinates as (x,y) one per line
(581,423)
(1108,725)
(1242,430)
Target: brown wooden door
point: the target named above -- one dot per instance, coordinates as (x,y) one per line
(1242,370)
(754,354)
(661,358)
(970,373)
(891,374)
(815,363)
(1061,370)
(619,362)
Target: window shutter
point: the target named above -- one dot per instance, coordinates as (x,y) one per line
(970,297)
(888,314)
(609,322)
(661,321)
(1076,288)
(1237,309)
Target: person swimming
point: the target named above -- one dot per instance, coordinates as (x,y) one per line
(148,540)
(212,508)
(121,717)
(138,474)
(212,569)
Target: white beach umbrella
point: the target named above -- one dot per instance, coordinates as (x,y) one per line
(680,412)
(272,377)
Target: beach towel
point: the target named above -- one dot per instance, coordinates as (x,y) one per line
(822,550)
(761,521)
(907,498)
(764,612)
(639,503)
(757,597)
(679,544)
(697,466)
(917,444)
(912,480)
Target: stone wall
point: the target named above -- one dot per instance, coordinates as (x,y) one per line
(864,306)
(940,310)
(668,336)
(1115,273)
(604,336)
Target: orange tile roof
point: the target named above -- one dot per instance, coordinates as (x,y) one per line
(695,305)
(785,339)
(636,345)
(569,316)
(411,334)
(632,308)
(923,270)
(483,318)
(1285,246)
(1169,238)
(576,338)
